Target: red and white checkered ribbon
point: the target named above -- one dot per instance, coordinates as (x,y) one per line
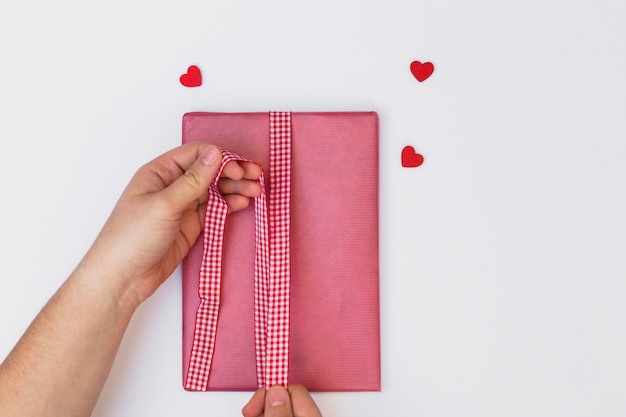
(271,269)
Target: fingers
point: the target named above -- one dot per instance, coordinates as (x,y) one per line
(238,170)
(184,175)
(274,403)
(280,403)
(237,184)
(254,407)
(246,188)
(277,402)
(194,182)
(236,202)
(302,402)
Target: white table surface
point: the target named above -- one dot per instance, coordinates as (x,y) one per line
(502,257)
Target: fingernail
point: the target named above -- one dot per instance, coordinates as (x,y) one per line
(277,396)
(209,155)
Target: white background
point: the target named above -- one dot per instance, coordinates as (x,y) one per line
(502,257)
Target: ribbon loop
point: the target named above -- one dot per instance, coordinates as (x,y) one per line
(271,269)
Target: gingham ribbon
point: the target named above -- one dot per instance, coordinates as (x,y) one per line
(271,269)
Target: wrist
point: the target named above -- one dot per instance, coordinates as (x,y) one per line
(103,282)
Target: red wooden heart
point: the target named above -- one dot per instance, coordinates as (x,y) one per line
(411,159)
(193,77)
(422,71)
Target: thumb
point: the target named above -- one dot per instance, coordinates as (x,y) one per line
(195,181)
(278,403)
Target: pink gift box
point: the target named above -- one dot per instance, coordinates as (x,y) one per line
(335,326)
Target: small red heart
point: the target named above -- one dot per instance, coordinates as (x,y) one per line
(422,71)
(411,159)
(193,77)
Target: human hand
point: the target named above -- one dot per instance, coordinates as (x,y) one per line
(160,215)
(278,402)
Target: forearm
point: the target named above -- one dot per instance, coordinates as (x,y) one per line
(60,365)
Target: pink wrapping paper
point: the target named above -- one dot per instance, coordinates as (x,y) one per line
(334,334)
